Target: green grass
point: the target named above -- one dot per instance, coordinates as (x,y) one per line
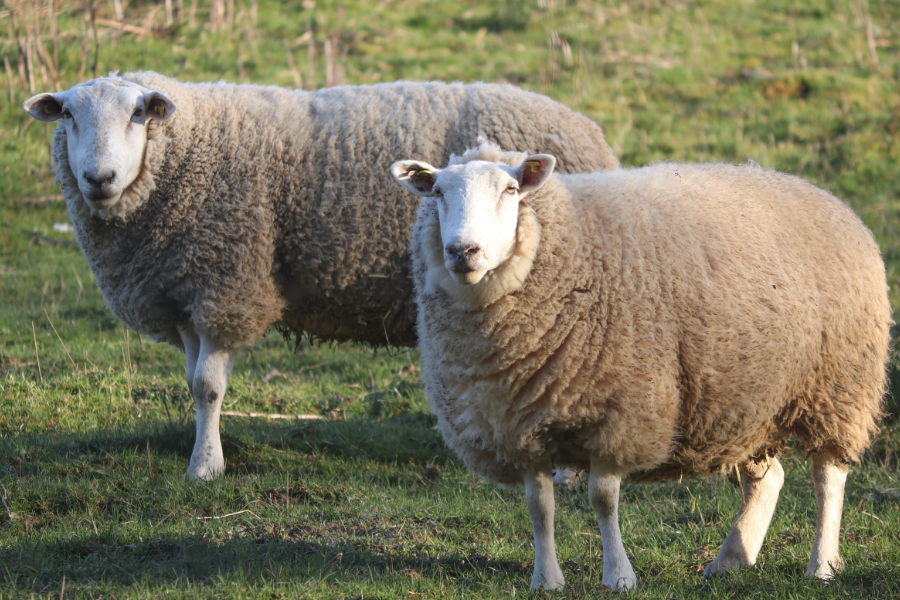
(94,437)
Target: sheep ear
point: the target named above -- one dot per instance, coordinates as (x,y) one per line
(45,107)
(533,173)
(158,106)
(417,177)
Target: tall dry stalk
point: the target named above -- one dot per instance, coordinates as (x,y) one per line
(126,358)
(26,69)
(36,355)
(54,37)
(310,46)
(169,19)
(192,22)
(93,14)
(870,38)
(217,16)
(117,8)
(9,80)
(74,272)
(298,81)
(61,343)
(337,51)
(250,30)
(329,63)
(34,35)
(85,55)
(49,66)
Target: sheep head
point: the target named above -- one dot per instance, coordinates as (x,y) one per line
(106,132)
(478,208)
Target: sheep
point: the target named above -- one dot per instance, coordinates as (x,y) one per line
(211,212)
(648,324)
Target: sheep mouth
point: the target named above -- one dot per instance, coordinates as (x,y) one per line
(461,268)
(101,201)
(467,275)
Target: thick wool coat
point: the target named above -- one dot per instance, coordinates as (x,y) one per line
(262,205)
(674,320)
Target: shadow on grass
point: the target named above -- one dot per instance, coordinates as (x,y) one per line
(248,551)
(253,552)
(247,443)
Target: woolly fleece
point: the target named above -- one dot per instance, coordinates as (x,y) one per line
(262,205)
(672,320)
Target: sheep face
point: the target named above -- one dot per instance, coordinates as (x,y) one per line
(106,133)
(478,208)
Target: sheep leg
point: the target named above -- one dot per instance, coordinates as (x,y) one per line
(829,476)
(541,507)
(761,485)
(191,343)
(603,491)
(208,384)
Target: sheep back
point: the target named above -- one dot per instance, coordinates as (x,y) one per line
(262,205)
(677,320)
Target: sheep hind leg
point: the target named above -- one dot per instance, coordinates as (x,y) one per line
(603,491)
(761,483)
(829,477)
(208,383)
(191,343)
(541,507)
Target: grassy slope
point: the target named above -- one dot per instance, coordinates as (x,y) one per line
(367,515)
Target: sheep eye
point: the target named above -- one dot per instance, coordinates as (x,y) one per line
(66,114)
(137,114)
(511,189)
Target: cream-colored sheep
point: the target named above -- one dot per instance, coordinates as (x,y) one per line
(210,212)
(647,324)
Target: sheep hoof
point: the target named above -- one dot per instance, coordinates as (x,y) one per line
(548,581)
(824,571)
(723,564)
(203,473)
(564,477)
(621,582)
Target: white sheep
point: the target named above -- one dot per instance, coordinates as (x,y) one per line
(252,206)
(648,324)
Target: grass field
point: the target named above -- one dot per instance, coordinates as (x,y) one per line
(96,424)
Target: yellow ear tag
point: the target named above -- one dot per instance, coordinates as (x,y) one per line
(534,165)
(47,109)
(424,173)
(160,110)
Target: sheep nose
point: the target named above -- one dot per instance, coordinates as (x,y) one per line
(463,251)
(100,179)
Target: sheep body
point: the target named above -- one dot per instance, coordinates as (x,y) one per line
(675,320)
(260,205)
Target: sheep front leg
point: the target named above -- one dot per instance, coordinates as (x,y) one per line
(541,507)
(603,491)
(829,476)
(208,383)
(761,484)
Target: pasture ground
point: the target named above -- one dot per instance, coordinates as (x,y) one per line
(96,424)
